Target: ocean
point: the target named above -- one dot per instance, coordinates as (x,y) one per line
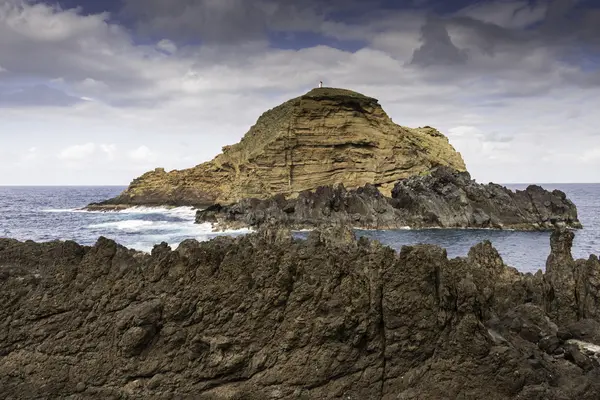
(53,213)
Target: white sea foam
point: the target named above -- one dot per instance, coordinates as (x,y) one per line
(181,212)
(177,232)
(207,228)
(302,230)
(180,228)
(126,225)
(141,228)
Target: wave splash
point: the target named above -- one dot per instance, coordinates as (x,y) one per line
(184,212)
(141,228)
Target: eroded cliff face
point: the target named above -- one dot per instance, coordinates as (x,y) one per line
(325,137)
(268,317)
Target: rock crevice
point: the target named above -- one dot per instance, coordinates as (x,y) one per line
(269,316)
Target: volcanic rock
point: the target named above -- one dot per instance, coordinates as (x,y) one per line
(444,198)
(267,316)
(325,137)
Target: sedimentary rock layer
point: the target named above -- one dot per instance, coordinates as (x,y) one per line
(445,198)
(268,317)
(324,137)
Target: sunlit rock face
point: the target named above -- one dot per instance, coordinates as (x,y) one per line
(327,136)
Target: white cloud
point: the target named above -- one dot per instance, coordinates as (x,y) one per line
(507,14)
(460,131)
(142,154)
(110,150)
(78,152)
(167,46)
(31,154)
(591,156)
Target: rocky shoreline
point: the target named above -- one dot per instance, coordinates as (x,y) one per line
(445,198)
(267,316)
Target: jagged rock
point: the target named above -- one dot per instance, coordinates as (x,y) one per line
(449,198)
(445,198)
(573,284)
(269,316)
(325,137)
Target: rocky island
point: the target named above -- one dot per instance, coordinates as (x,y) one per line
(324,137)
(267,316)
(334,156)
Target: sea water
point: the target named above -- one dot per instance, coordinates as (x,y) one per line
(54,213)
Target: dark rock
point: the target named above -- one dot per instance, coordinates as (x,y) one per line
(572,285)
(549,344)
(458,201)
(530,322)
(268,316)
(445,198)
(585,355)
(587,330)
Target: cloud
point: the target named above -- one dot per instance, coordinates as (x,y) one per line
(78,152)
(227,22)
(36,96)
(567,29)
(437,47)
(110,150)
(489,76)
(42,43)
(211,21)
(167,46)
(591,155)
(31,154)
(88,152)
(506,14)
(461,131)
(142,154)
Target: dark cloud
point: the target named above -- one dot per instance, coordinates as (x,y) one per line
(556,22)
(565,23)
(237,21)
(437,47)
(208,21)
(487,37)
(36,96)
(552,34)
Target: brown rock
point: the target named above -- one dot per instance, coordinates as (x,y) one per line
(268,316)
(324,137)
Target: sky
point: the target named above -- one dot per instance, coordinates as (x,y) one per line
(98,92)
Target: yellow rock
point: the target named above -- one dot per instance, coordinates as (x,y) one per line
(325,137)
